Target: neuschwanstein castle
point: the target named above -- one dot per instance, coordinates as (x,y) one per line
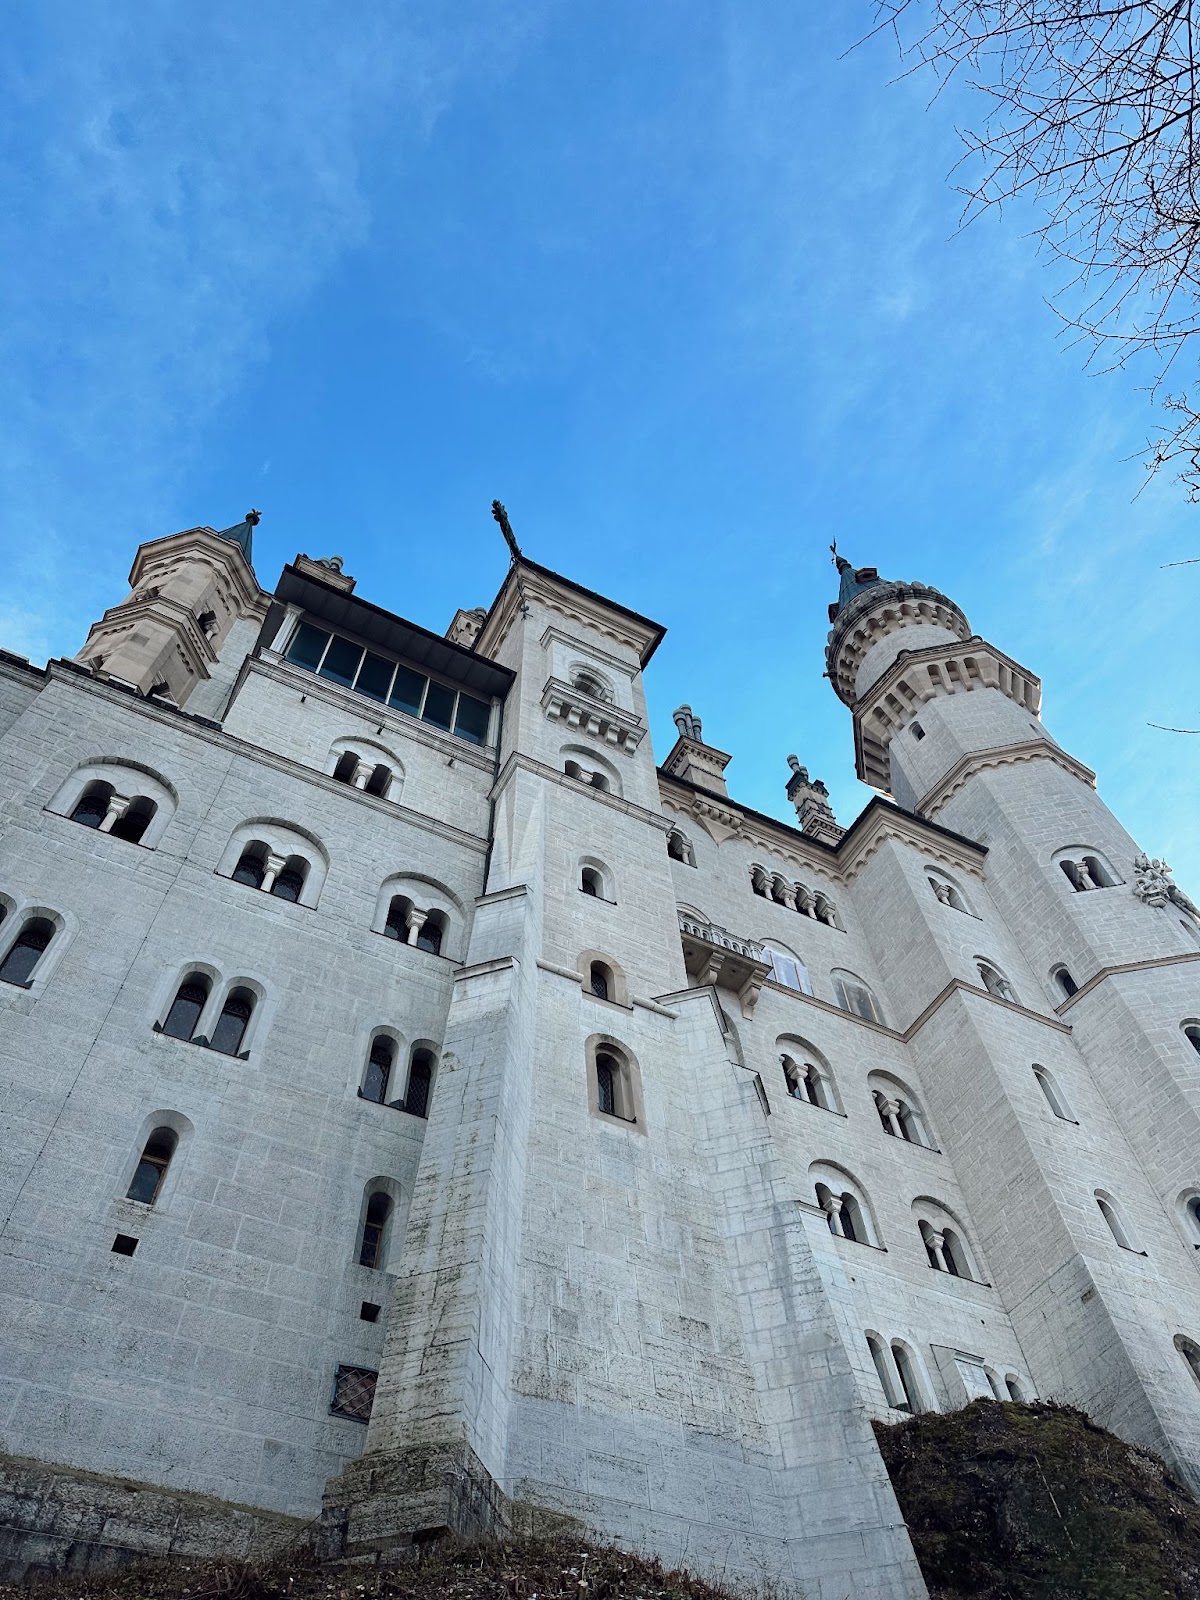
(423,1110)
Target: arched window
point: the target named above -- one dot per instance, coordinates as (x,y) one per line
(379,780)
(1087,869)
(1016,1389)
(396,926)
(1190,1351)
(190,999)
(92,806)
(1191,1211)
(252,866)
(760,882)
(994,981)
(379,1069)
(152,1166)
(612,1082)
(945,1250)
(1065,982)
(23,956)
(347,766)
(599,980)
(588,684)
(788,970)
(899,1118)
(679,848)
(852,994)
(910,1381)
(823,910)
(429,934)
(1054,1096)
(885,1372)
(420,1078)
(847,1214)
(808,1082)
(134,820)
(947,893)
(1117,1225)
(589,883)
(607,1074)
(372,1245)
(1191,1032)
(289,882)
(231,1026)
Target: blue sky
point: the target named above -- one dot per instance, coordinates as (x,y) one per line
(681,283)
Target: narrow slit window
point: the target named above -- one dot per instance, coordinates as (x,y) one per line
(251,868)
(186,1008)
(152,1166)
(379,1070)
(21,961)
(371,1251)
(606,1089)
(92,806)
(420,1076)
(289,885)
(230,1030)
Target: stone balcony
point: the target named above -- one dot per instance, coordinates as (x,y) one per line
(564,703)
(711,954)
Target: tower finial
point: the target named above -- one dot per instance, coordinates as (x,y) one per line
(501,516)
(253,518)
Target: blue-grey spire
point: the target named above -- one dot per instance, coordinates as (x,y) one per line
(242,533)
(854,581)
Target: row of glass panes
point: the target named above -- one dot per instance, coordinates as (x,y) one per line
(342,661)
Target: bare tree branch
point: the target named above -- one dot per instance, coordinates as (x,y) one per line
(1091,108)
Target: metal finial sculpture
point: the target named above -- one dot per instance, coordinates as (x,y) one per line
(501,516)
(253,518)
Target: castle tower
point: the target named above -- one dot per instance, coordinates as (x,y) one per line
(607,1309)
(187,594)
(1075,959)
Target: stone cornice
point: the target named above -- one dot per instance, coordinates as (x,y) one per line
(564,703)
(553,635)
(1000,756)
(959,985)
(218,552)
(873,614)
(917,676)
(195,644)
(527,581)
(68,672)
(724,819)
(516,762)
(1121,967)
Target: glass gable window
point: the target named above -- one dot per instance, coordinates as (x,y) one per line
(342,661)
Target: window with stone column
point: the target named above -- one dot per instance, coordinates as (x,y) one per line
(276,858)
(120,799)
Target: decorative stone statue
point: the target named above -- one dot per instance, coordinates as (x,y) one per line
(687,722)
(334,563)
(1152,880)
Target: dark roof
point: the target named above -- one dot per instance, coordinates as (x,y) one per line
(384,631)
(656,628)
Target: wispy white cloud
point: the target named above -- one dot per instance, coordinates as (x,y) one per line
(177,178)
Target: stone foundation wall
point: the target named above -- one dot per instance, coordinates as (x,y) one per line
(56,1519)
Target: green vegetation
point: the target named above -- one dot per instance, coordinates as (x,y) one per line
(1035,1502)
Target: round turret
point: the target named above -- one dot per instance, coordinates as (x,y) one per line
(876,620)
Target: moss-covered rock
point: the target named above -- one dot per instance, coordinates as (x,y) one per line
(1035,1502)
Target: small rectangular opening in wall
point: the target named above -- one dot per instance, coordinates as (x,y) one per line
(353,1393)
(124,1244)
(369,1312)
